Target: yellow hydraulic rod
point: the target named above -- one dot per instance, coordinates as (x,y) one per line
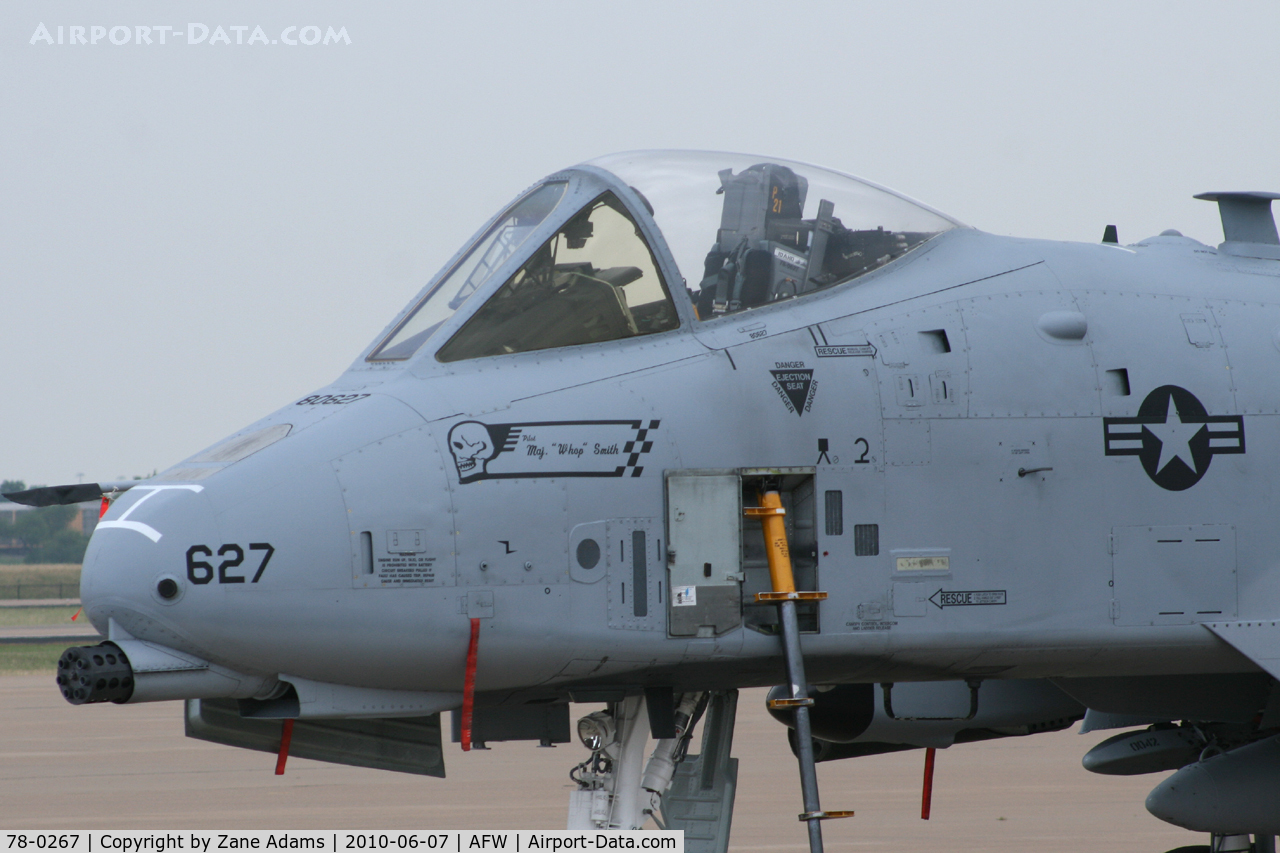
(771,515)
(775,542)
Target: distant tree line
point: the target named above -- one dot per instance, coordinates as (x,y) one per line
(43,532)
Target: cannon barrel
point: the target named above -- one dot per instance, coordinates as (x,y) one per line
(101,673)
(128,671)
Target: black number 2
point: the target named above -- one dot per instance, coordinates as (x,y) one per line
(866,448)
(223,577)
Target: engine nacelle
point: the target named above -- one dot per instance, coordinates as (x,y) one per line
(1233,793)
(850,720)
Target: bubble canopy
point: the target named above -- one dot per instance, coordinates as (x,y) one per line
(575,260)
(748,230)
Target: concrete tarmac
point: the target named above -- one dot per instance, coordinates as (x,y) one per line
(130,767)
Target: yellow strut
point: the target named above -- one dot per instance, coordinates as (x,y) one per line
(772,519)
(775,542)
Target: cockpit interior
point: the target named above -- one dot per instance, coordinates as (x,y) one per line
(766,251)
(600,252)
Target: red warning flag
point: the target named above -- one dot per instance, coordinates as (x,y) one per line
(469,686)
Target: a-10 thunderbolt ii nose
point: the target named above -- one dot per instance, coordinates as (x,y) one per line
(213,579)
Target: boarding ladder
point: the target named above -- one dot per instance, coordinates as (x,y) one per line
(784,594)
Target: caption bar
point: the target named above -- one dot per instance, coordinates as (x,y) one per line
(447,841)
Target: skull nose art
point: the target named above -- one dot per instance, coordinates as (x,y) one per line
(471,446)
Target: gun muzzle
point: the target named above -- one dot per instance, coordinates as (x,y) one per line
(101,673)
(128,671)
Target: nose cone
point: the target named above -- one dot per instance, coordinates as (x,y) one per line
(137,562)
(1234,793)
(319,555)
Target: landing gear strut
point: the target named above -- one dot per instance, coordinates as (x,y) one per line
(617,788)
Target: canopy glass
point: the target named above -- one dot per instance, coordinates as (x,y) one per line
(748,231)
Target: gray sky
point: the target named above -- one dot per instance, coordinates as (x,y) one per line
(193,235)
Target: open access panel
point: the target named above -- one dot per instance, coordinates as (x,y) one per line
(716,559)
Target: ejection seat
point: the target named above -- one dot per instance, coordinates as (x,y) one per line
(762,248)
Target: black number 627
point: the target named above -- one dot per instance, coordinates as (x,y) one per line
(201,572)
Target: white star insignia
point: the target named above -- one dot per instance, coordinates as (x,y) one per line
(1175,437)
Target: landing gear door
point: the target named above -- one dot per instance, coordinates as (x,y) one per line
(704,556)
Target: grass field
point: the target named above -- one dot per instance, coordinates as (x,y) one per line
(22,581)
(28,658)
(40,581)
(16,617)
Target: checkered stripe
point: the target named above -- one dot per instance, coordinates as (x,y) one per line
(640,445)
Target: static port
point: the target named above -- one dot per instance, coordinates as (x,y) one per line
(167,588)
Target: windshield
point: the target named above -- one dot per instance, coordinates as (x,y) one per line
(749,231)
(595,280)
(488,253)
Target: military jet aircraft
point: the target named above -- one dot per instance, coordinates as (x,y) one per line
(678,423)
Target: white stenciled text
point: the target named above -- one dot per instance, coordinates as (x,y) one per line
(89,35)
